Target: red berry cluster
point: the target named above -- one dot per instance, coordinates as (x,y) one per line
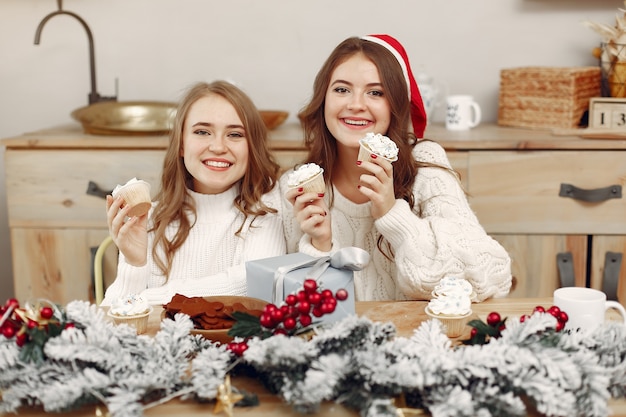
(22,323)
(560,316)
(296,312)
(495,324)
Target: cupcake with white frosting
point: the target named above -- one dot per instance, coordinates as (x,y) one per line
(309,177)
(382,146)
(136,194)
(133,310)
(451,304)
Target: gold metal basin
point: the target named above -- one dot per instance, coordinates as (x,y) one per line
(126,117)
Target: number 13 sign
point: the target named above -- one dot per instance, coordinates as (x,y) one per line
(607,112)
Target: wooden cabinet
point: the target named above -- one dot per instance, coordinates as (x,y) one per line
(520,183)
(553,201)
(55,184)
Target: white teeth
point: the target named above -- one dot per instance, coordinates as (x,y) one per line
(217,164)
(356,122)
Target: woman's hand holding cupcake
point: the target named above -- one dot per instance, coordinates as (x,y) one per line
(306,194)
(377,185)
(129,233)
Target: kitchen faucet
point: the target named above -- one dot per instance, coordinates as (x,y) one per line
(94,96)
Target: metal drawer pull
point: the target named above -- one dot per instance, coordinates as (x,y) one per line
(94,189)
(565,264)
(591,196)
(610,280)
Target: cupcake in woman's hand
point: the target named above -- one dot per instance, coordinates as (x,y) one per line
(451,304)
(135,193)
(309,177)
(382,146)
(133,310)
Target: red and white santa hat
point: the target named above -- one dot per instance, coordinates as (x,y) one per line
(418,113)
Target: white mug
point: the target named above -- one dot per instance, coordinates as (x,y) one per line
(463,112)
(585,307)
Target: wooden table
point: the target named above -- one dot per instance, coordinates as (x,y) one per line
(406,315)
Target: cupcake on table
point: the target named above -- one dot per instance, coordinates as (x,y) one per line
(451,304)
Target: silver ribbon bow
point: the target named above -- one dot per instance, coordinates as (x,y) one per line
(350,258)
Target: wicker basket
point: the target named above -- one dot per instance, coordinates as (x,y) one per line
(546,97)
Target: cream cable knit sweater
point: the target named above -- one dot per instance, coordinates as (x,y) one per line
(212,259)
(445,239)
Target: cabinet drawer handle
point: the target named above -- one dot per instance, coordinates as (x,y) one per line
(591,196)
(94,189)
(565,265)
(610,278)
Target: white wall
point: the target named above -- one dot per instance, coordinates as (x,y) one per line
(272,48)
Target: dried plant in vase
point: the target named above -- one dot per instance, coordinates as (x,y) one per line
(612,53)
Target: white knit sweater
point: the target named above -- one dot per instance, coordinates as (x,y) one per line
(212,259)
(446,239)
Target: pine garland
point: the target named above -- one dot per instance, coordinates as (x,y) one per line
(356,362)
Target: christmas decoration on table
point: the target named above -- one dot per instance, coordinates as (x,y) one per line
(482,331)
(361,364)
(295,316)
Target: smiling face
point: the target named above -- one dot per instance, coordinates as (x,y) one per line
(355,102)
(215,147)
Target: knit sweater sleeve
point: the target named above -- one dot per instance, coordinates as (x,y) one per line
(261,237)
(442,235)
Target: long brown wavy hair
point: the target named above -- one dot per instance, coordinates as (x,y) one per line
(174,203)
(322,146)
(320,142)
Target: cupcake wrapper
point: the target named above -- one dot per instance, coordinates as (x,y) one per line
(139,322)
(365,155)
(138,197)
(454,326)
(314,185)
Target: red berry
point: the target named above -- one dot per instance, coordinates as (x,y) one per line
(554,310)
(305,320)
(289,323)
(266,321)
(559,326)
(302,296)
(269,308)
(8,331)
(291,300)
(46,312)
(327,308)
(315,298)
(327,294)
(539,309)
(304,307)
(563,317)
(12,302)
(31,324)
(280,330)
(523,318)
(493,318)
(473,332)
(277,316)
(70,325)
(341,294)
(310,285)
(317,311)
(284,309)
(21,339)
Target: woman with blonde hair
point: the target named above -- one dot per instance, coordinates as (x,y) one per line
(216,207)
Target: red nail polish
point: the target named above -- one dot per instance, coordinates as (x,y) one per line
(374,156)
(358,186)
(358,162)
(300,189)
(320,195)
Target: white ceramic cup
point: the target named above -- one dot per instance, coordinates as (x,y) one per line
(585,307)
(463,112)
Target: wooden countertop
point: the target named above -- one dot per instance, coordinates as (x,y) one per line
(406,315)
(289,137)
